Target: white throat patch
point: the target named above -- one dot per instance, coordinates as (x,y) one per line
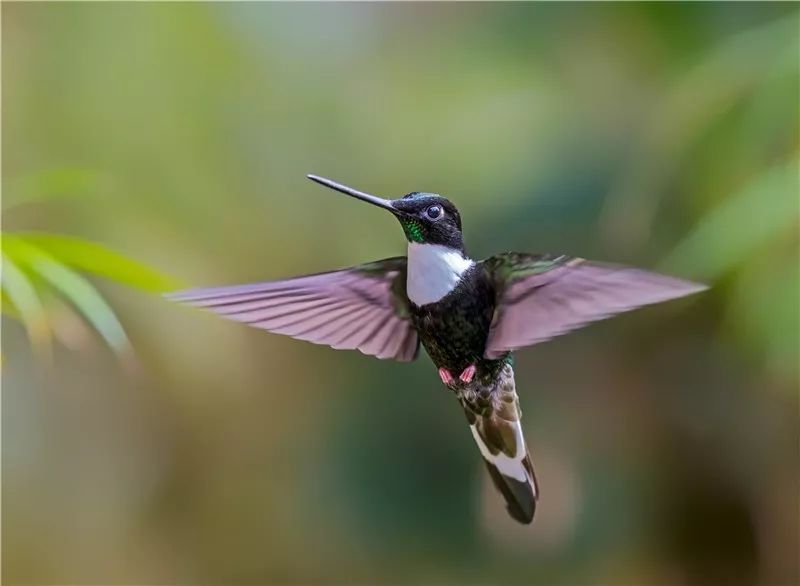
(433,271)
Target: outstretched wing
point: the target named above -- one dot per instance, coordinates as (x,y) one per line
(363,307)
(542,296)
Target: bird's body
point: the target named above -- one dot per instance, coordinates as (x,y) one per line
(469,316)
(454,329)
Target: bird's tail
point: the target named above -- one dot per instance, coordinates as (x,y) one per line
(494,418)
(520,495)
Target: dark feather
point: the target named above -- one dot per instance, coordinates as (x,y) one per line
(519,496)
(363,307)
(494,415)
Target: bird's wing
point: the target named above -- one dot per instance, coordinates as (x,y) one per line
(364,307)
(542,296)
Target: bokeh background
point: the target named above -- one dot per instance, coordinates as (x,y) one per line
(179,448)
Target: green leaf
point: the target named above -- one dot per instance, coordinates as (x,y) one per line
(764,312)
(737,70)
(55,183)
(19,290)
(72,287)
(99,260)
(762,210)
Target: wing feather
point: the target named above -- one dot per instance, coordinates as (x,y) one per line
(362,308)
(383,343)
(356,332)
(409,347)
(323,324)
(543,296)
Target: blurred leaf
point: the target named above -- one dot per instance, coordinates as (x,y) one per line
(738,68)
(6,306)
(764,209)
(763,311)
(30,257)
(54,183)
(71,286)
(19,290)
(747,234)
(97,259)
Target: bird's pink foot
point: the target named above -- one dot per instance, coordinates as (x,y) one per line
(446,377)
(468,374)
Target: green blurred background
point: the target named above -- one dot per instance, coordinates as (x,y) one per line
(192,450)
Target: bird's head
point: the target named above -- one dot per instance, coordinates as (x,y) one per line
(426,218)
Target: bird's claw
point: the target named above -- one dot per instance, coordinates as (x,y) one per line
(467,375)
(446,377)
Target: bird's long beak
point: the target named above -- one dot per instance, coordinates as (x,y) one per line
(374,200)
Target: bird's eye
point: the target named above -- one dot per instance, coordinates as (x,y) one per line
(434,212)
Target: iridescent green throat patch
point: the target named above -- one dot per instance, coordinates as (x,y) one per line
(413,230)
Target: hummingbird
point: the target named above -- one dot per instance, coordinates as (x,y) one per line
(469,315)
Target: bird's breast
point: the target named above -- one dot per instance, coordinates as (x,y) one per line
(454,329)
(433,272)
